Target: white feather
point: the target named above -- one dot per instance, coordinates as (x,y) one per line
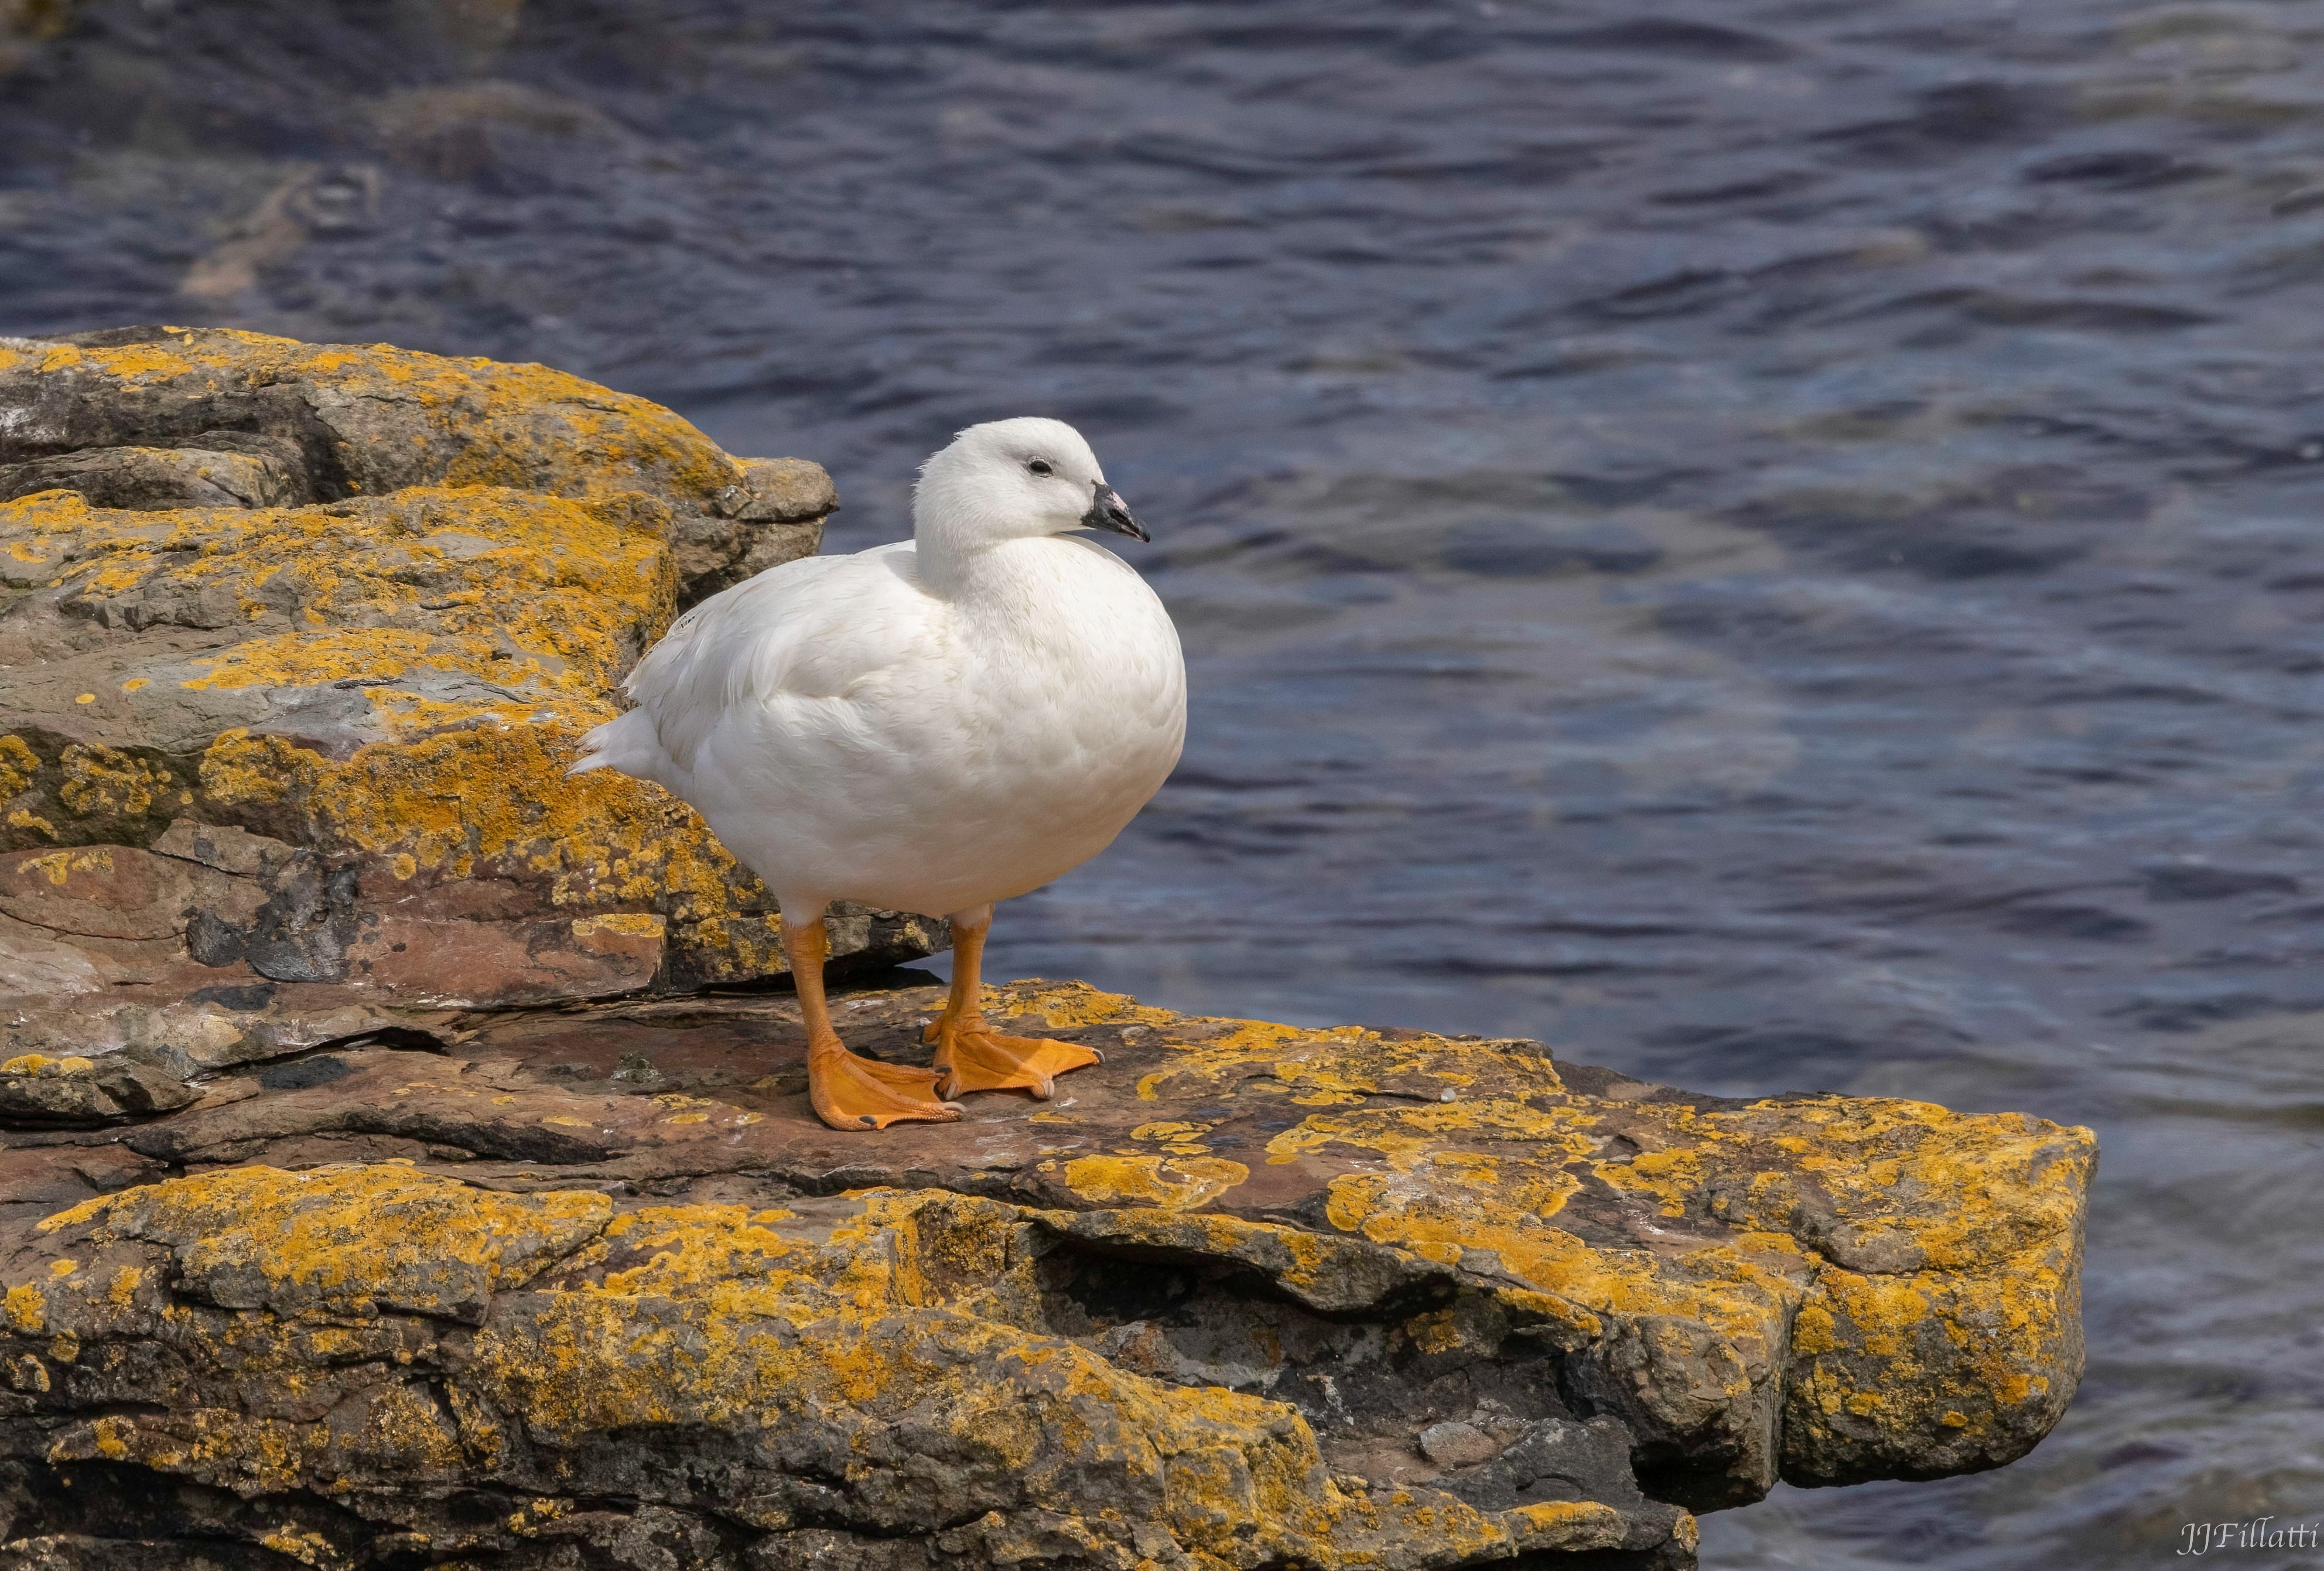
(930,726)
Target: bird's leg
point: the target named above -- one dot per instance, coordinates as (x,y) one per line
(849,1091)
(971,1056)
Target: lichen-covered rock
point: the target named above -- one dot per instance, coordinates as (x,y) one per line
(35,1089)
(872,1368)
(299,643)
(589,1287)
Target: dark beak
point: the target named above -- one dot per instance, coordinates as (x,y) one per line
(1108,511)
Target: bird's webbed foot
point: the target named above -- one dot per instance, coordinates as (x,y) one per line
(971,1056)
(853,1093)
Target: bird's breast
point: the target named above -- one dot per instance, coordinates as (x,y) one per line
(1024,728)
(1079,686)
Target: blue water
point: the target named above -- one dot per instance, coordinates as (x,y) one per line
(1769,545)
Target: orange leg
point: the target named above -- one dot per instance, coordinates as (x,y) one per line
(970,1054)
(849,1091)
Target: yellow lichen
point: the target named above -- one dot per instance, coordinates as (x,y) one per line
(102,782)
(1170,1131)
(87,1211)
(501,424)
(1570,1525)
(1062,1007)
(1406,1134)
(26,1309)
(112,1438)
(58,866)
(42,1067)
(628,924)
(1177,1183)
(328,1235)
(18,764)
(304,1545)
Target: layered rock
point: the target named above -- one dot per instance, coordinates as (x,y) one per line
(588,1287)
(371,1194)
(297,643)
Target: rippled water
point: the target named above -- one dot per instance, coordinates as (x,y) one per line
(1772,545)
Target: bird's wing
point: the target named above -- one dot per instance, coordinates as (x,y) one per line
(812,631)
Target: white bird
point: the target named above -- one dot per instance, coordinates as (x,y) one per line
(931,725)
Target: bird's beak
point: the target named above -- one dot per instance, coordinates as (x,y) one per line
(1109,512)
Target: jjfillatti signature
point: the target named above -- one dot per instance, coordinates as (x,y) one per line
(2202,1538)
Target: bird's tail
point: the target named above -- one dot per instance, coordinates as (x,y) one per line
(627,743)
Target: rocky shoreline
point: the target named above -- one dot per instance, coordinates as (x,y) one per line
(403,1162)
(557,1286)
(289,684)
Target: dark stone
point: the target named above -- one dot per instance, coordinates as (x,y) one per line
(257,995)
(320,1070)
(213,941)
(303,930)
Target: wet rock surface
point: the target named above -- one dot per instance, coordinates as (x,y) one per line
(587,1286)
(295,642)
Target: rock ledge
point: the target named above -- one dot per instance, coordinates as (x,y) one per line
(297,641)
(588,1288)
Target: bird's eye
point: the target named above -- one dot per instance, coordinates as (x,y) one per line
(1040,466)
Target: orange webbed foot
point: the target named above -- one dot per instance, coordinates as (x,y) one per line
(853,1093)
(971,1056)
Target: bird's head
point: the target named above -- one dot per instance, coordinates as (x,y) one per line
(1008,479)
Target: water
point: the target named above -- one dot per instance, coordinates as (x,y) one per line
(1771,545)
